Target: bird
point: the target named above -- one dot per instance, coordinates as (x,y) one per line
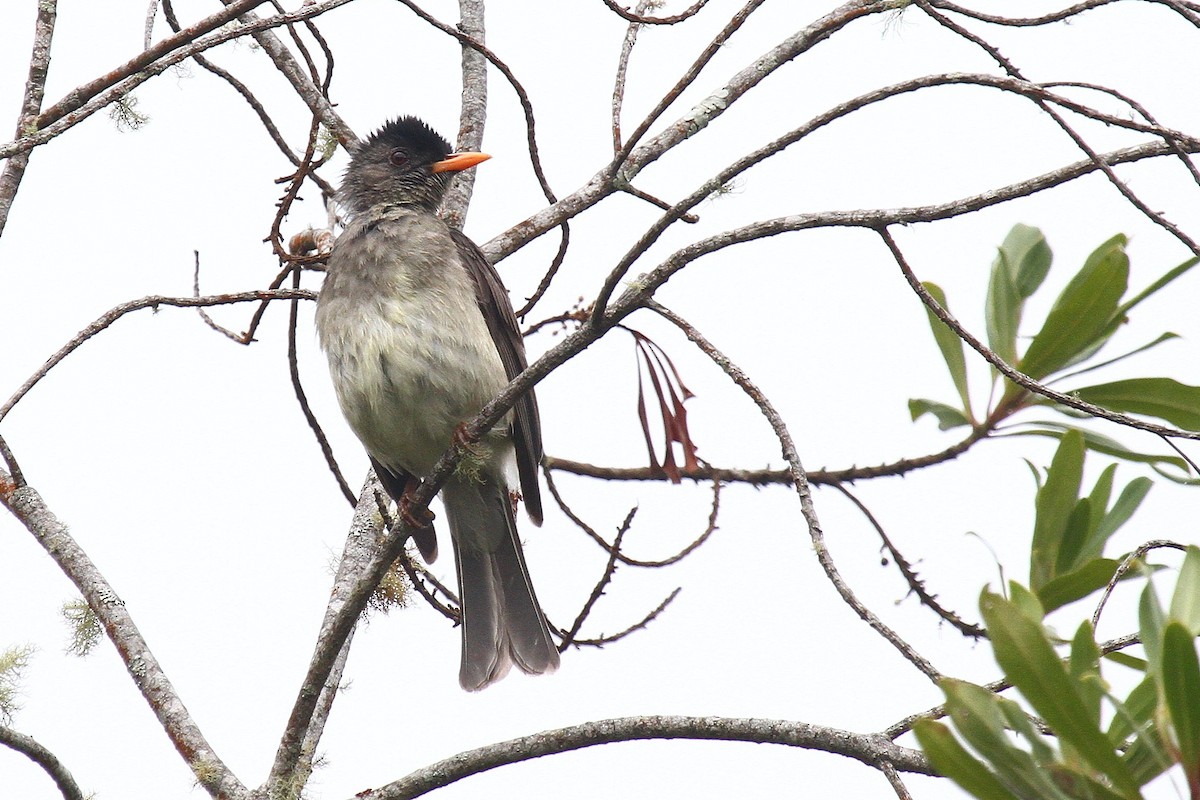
(420,334)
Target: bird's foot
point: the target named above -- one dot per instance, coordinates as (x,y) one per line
(418,517)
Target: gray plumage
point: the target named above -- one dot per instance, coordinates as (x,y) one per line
(420,334)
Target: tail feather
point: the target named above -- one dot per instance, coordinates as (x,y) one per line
(502,621)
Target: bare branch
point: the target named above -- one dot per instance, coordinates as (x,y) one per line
(312,95)
(38,754)
(352,588)
(153,301)
(869,749)
(610,569)
(915,583)
(31,104)
(800,482)
(128,77)
(1076,137)
(1123,569)
(147,675)
(472,117)
(637,18)
(637,626)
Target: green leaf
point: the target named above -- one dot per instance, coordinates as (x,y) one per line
(1077,584)
(1082,314)
(1025,249)
(1158,284)
(1126,660)
(1029,661)
(951,347)
(1055,503)
(948,417)
(1026,602)
(1131,497)
(1079,524)
(1084,667)
(1151,620)
(1181,690)
(1135,713)
(1185,603)
(1163,337)
(952,760)
(1101,493)
(1149,756)
(1002,314)
(976,715)
(1099,444)
(1018,721)
(1164,398)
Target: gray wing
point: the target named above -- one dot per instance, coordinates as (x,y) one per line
(502,324)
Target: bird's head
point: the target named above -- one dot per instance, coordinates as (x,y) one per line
(405,162)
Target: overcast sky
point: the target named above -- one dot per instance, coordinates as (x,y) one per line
(183,466)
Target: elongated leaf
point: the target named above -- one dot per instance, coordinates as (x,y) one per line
(1085,668)
(1018,721)
(952,760)
(1100,495)
(1151,621)
(1162,337)
(1082,313)
(1074,537)
(976,715)
(1181,690)
(1158,284)
(1135,713)
(1149,756)
(948,417)
(1029,661)
(1126,660)
(1100,444)
(950,345)
(1055,504)
(1002,314)
(1028,254)
(1131,497)
(1164,398)
(1077,584)
(1026,602)
(1185,603)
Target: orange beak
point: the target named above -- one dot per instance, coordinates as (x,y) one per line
(459,161)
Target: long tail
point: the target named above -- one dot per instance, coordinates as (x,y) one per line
(502,621)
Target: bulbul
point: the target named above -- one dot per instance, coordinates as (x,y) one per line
(420,334)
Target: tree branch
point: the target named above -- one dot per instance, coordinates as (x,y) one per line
(870,749)
(27,506)
(31,104)
(35,752)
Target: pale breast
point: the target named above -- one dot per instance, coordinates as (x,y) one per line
(409,352)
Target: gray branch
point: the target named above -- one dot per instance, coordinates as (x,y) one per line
(870,749)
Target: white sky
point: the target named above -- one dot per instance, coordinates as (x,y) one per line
(184,468)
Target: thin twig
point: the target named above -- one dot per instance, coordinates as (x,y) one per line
(153,301)
(641,624)
(610,569)
(915,583)
(1124,567)
(800,481)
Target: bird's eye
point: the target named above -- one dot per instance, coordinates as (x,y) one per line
(398,158)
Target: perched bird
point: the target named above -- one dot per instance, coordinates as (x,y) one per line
(420,334)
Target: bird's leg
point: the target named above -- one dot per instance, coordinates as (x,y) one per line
(419,518)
